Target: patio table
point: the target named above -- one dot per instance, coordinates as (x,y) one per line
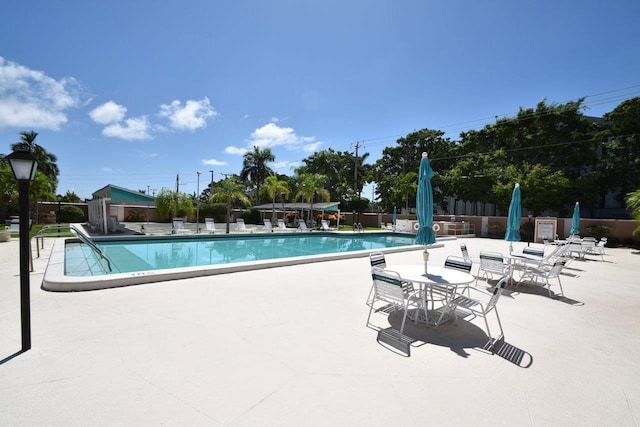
(523,260)
(441,282)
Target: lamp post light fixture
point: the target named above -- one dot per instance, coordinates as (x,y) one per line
(23,166)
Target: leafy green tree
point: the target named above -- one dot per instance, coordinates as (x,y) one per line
(405,157)
(339,168)
(171,204)
(272,188)
(255,169)
(406,186)
(70,213)
(71,197)
(620,161)
(229,191)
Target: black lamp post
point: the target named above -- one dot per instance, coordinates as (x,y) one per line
(530,232)
(59,197)
(23,166)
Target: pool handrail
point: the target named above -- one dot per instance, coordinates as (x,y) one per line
(83,237)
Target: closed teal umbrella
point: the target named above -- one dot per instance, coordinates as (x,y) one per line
(395,214)
(424,208)
(513,221)
(575,220)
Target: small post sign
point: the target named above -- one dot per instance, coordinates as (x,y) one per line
(545,229)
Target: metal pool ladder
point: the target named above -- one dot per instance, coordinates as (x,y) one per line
(83,237)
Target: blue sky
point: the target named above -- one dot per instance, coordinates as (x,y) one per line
(133,93)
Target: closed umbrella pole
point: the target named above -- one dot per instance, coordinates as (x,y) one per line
(575,220)
(395,214)
(424,207)
(513,220)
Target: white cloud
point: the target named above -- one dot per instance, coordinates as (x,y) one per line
(271,135)
(30,98)
(213,162)
(109,112)
(105,169)
(191,116)
(131,129)
(286,165)
(275,119)
(235,150)
(313,147)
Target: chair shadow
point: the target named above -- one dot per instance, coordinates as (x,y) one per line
(12,356)
(461,338)
(531,289)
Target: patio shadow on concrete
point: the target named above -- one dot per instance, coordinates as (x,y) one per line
(460,337)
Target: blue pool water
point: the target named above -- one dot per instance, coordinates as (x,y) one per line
(135,254)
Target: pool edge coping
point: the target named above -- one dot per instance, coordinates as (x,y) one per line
(55,280)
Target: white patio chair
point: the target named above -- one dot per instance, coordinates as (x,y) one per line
(388,288)
(481,306)
(267,225)
(456,263)
(465,252)
(491,263)
(378,262)
(533,251)
(574,247)
(544,274)
(598,249)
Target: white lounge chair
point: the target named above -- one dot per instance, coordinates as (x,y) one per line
(325,225)
(178,227)
(302,226)
(242,228)
(210,225)
(267,225)
(283,227)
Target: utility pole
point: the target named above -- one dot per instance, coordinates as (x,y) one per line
(355,170)
(211,179)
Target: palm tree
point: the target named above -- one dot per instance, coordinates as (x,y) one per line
(633,203)
(255,169)
(228,192)
(271,188)
(311,185)
(46,161)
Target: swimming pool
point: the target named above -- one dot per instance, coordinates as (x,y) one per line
(137,259)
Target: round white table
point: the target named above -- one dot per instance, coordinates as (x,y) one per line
(438,285)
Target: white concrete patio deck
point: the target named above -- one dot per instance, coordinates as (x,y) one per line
(288,346)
